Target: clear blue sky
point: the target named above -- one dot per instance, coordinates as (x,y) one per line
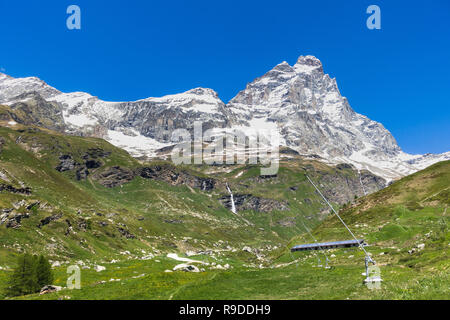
(127,50)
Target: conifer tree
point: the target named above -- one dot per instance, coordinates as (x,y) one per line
(23,280)
(43,272)
(30,275)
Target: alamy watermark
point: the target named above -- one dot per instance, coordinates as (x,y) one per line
(74,279)
(227,146)
(74,20)
(373,280)
(374,20)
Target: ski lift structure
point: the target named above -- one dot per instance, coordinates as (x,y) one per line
(339,244)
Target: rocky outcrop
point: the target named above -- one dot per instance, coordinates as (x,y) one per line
(176,177)
(114,176)
(125,233)
(32,109)
(251,202)
(342,188)
(49,219)
(12,189)
(89,161)
(66,163)
(12,219)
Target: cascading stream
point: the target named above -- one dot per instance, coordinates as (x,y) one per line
(233,206)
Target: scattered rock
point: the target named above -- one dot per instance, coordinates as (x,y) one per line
(103,223)
(50,289)
(173,221)
(99,268)
(287,222)
(10,188)
(186,268)
(49,219)
(12,219)
(125,233)
(83,224)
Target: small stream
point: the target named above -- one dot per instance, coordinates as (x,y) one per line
(233,206)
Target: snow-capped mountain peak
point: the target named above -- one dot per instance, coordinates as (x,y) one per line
(302,102)
(308,64)
(12,87)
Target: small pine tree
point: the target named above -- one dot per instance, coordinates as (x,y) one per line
(30,275)
(44,273)
(23,280)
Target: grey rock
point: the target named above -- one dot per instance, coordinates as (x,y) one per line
(250,202)
(49,219)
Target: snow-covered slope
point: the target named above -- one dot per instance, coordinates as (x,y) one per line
(301,102)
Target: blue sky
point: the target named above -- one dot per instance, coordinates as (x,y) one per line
(399,75)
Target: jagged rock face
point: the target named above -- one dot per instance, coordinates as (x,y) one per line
(32,109)
(340,188)
(90,161)
(174,177)
(300,101)
(251,202)
(312,115)
(114,176)
(157,118)
(10,87)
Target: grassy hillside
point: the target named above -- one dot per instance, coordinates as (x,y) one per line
(82,201)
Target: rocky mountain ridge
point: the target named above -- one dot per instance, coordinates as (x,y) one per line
(301,102)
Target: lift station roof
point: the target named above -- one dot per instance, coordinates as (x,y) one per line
(328,245)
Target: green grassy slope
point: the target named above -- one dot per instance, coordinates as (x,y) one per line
(169,218)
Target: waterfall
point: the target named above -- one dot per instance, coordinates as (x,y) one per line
(233,206)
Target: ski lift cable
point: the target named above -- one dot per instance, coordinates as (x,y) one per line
(315,240)
(345,225)
(307,230)
(320,247)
